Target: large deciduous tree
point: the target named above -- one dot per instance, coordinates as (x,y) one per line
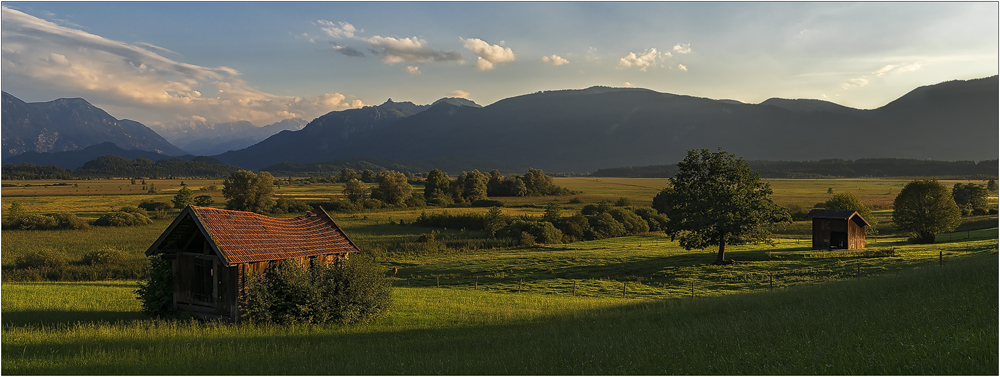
(393,188)
(716,200)
(924,209)
(246,191)
(436,185)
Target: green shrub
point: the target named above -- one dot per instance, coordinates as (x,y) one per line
(151,205)
(203,200)
(487,203)
(41,259)
(126,216)
(426,238)
(353,291)
(105,256)
(623,202)
(34,222)
(156,292)
(66,220)
(576,200)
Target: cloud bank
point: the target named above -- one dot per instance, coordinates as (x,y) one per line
(137,76)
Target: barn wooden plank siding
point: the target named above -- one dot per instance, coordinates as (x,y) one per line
(837,229)
(213,251)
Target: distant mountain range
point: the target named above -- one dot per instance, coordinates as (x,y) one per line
(558,131)
(600,127)
(70,124)
(211,139)
(76,158)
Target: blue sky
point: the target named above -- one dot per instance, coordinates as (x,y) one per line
(176,63)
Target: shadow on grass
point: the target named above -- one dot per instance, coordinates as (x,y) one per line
(35,318)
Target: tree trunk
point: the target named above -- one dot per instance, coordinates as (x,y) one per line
(721,259)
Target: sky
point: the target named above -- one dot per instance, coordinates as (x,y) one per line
(180,63)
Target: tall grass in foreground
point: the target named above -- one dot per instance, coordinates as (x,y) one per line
(940,320)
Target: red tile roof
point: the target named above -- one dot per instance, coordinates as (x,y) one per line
(243,237)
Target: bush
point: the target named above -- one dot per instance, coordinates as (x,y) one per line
(34,222)
(44,258)
(105,256)
(576,200)
(66,220)
(150,205)
(426,238)
(623,202)
(203,200)
(126,216)
(487,203)
(285,205)
(156,292)
(353,291)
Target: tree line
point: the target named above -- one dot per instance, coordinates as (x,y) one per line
(115,166)
(834,168)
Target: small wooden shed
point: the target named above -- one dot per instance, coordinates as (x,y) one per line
(214,250)
(838,229)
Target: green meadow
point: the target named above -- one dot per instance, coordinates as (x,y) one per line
(466,304)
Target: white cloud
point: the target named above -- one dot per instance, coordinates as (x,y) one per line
(643,61)
(459,93)
(682,67)
(409,50)
(338,30)
(682,48)
(897,69)
(488,54)
(628,85)
(393,50)
(881,71)
(554,60)
(854,83)
(412,70)
(136,77)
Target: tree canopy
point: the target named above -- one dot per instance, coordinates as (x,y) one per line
(925,208)
(717,200)
(245,190)
(849,201)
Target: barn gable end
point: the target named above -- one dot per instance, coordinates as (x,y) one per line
(837,229)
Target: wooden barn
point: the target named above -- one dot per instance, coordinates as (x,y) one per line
(214,250)
(837,229)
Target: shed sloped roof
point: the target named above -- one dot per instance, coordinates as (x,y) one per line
(243,237)
(842,214)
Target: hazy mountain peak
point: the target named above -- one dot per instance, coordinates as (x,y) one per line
(457,101)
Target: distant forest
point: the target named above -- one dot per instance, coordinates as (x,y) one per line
(119,167)
(835,168)
(207,167)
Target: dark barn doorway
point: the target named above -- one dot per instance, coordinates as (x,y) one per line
(838,240)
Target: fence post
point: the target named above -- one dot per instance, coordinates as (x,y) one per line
(477,283)
(519,282)
(624,284)
(439,281)
(574,287)
(940,258)
(692,288)
(770,279)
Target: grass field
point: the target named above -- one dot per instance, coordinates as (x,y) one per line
(930,320)
(465,304)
